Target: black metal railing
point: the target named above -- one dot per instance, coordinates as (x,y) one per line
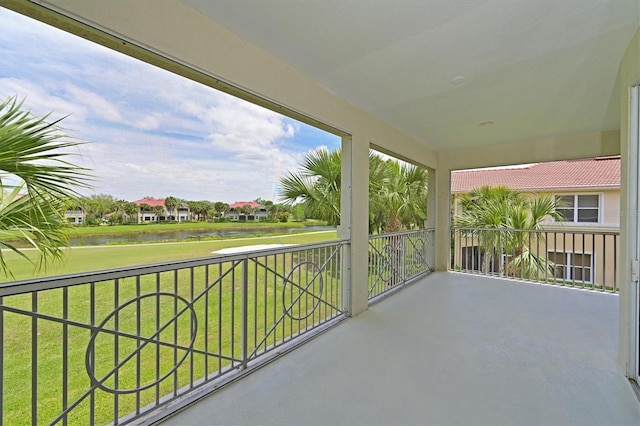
(112,346)
(396,258)
(563,257)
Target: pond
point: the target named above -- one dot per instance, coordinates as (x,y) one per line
(190,234)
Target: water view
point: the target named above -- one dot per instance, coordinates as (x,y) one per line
(190,234)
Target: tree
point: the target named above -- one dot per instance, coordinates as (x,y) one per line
(34,158)
(118,215)
(516,215)
(279,212)
(97,206)
(220,208)
(208,209)
(399,200)
(131,209)
(317,185)
(171,203)
(114,218)
(298,212)
(158,211)
(397,193)
(245,210)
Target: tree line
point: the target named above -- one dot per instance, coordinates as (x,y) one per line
(101,208)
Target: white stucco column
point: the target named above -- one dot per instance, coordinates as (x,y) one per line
(443,212)
(430,223)
(354,222)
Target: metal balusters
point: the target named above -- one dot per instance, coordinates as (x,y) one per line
(245,311)
(65,350)
(572,258)
(34,360)
(116,348)
(158,310)
(92,321)
(114,318)
(396,258)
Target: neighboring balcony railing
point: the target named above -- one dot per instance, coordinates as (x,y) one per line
(567,257)
(113,346)
(396,258)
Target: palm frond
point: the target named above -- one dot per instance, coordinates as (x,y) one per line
(34,153)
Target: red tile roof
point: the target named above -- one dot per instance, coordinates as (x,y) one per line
(151,201)
(572,174)
(238,204)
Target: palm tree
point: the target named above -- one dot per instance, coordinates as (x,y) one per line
(131,209)
(405,196)
(37,183)
(397,194)
(517,217)
(158,211)
(171,203)
(317,185)
(244,210)
(220,208)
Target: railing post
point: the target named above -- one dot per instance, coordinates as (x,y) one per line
(403,272)
(245,311)
(345,277)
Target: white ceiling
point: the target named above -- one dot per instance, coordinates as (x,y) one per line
(532,67)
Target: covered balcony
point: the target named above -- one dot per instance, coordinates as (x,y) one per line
(449,349)
(264,338)
(445,85)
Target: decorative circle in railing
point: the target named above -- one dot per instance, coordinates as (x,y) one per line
(417,253)
(132,352)
(305,285)
(390,259)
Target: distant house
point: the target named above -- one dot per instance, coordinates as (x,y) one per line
(181,213)
(75,215)
(255,212)
(589,194)
(149,215)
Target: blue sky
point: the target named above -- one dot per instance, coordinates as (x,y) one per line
(149,132)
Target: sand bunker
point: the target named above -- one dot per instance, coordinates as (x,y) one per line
(244,249)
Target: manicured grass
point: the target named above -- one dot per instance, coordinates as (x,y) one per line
(218,313)
(86,259)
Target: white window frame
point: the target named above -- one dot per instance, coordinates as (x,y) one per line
(575,196)
(568,267)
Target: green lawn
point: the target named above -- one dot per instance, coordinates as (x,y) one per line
(218,328)
(85,259)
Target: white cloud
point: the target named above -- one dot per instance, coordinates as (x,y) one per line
(150,132)
(41,100)
(249,132)
(96,103)
(149,122)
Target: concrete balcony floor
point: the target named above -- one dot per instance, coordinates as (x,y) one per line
(449,349)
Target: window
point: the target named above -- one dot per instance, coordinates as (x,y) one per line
(572,266)
(579,208)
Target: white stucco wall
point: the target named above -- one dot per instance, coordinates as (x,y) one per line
(628,76)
